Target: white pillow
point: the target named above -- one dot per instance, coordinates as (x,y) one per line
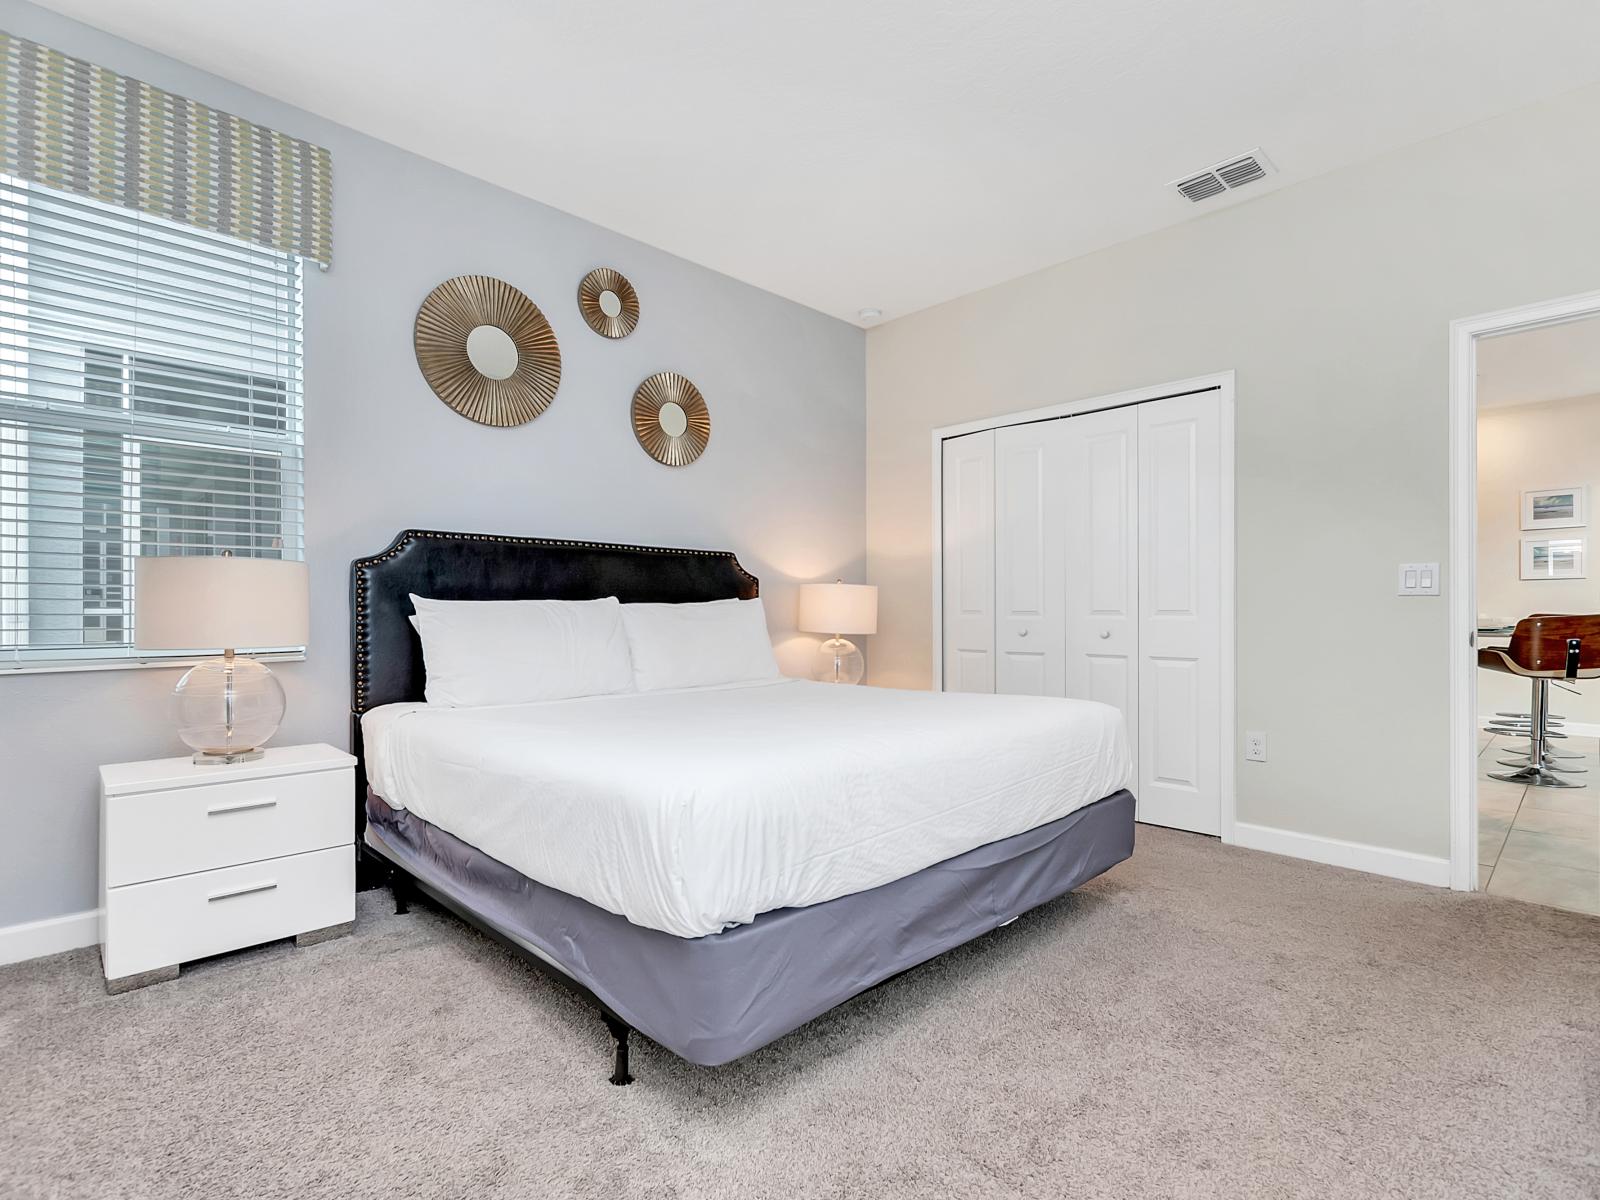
(697,645)
(519,651)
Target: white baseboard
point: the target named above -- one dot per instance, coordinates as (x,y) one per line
(1398,864)
(35,939)
(1571,728)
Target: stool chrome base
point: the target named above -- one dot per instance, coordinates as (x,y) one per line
(1523,736)
(1545,765)
(1537,776)
(1549,752)
(1538,765)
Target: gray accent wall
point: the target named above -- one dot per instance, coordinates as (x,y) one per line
(782,483)
(1332,301)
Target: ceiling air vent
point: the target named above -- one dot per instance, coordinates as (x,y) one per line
(1241,171)
(1228,174)
(1201,187)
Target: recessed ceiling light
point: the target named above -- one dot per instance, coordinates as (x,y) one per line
(870,314)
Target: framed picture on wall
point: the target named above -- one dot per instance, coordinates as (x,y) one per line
(1555,508)
(1554,558)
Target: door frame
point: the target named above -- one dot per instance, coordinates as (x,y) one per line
(1464,335)
(1221,382)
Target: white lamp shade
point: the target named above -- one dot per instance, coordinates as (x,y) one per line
(219,603)
(838,608)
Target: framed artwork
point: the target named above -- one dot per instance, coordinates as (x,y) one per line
(1553,558)
(1555,508)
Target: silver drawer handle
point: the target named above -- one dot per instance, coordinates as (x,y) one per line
(229,893)
(1105,633)
(239,806)
(1022,633)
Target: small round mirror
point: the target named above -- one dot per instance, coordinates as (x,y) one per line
(608,303)
(673,419)
(492,352)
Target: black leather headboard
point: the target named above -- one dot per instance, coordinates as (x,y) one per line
(386,653)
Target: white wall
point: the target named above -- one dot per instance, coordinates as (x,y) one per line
(1522,447)
(781,483)
(1332,301)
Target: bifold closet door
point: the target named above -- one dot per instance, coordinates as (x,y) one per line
(1030,517)
(1100,468)
(968,554)
(1180,617)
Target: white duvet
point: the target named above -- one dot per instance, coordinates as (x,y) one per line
(692,811)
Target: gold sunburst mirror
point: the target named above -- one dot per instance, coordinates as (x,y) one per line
(608,303)
(670,419)
(487,351)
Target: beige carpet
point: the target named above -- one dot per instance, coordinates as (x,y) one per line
(1202,1021)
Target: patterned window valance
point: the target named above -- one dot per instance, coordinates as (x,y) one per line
(70,125)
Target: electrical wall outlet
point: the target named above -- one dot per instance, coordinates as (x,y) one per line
(1255,747)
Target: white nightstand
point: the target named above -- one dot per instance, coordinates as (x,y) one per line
(196,860)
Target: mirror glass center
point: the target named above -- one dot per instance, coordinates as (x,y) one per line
(610,303)
(492,352)
(673,419)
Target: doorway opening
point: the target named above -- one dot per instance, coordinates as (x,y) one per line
(1525,606)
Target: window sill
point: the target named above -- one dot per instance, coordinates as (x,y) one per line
(134,664)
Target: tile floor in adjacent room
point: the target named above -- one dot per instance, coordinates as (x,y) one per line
(1540,844)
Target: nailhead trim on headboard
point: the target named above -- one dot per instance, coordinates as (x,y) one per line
(406,537)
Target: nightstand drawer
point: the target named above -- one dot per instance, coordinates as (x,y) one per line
(171,921)
(155,835)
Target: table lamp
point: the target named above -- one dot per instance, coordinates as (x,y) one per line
(838,608)
(227,707)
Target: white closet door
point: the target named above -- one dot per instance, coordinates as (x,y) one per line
(968,515)
(1180,601)
(1102,561)
(1030,624)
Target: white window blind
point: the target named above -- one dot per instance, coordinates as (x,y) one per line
(150,403)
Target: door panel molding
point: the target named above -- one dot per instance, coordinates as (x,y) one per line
(1102,559)
(966,570)
(1180,602)
(1030,517)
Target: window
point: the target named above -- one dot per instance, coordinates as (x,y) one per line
(150,403)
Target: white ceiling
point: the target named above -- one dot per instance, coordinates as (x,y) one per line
(1555,363)
(880,153)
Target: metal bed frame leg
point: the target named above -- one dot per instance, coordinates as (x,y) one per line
(619,1069)
(397,885)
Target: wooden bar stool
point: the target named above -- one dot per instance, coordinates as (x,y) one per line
(1545,647)
(1518,724)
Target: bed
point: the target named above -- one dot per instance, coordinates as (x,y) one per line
(711,866)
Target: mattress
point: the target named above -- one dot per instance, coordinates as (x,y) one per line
(715,998)
(691,812)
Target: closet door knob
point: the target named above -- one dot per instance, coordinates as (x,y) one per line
(1022,633)
(1105,633)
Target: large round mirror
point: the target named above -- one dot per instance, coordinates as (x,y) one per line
(492,352)
(610,303)
(487,351)
(673,419)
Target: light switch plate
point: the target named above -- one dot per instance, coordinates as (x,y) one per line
(1419,579)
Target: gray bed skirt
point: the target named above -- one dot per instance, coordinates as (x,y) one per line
(712,999)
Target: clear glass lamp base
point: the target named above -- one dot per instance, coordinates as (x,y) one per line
(227,708)
(838,661)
